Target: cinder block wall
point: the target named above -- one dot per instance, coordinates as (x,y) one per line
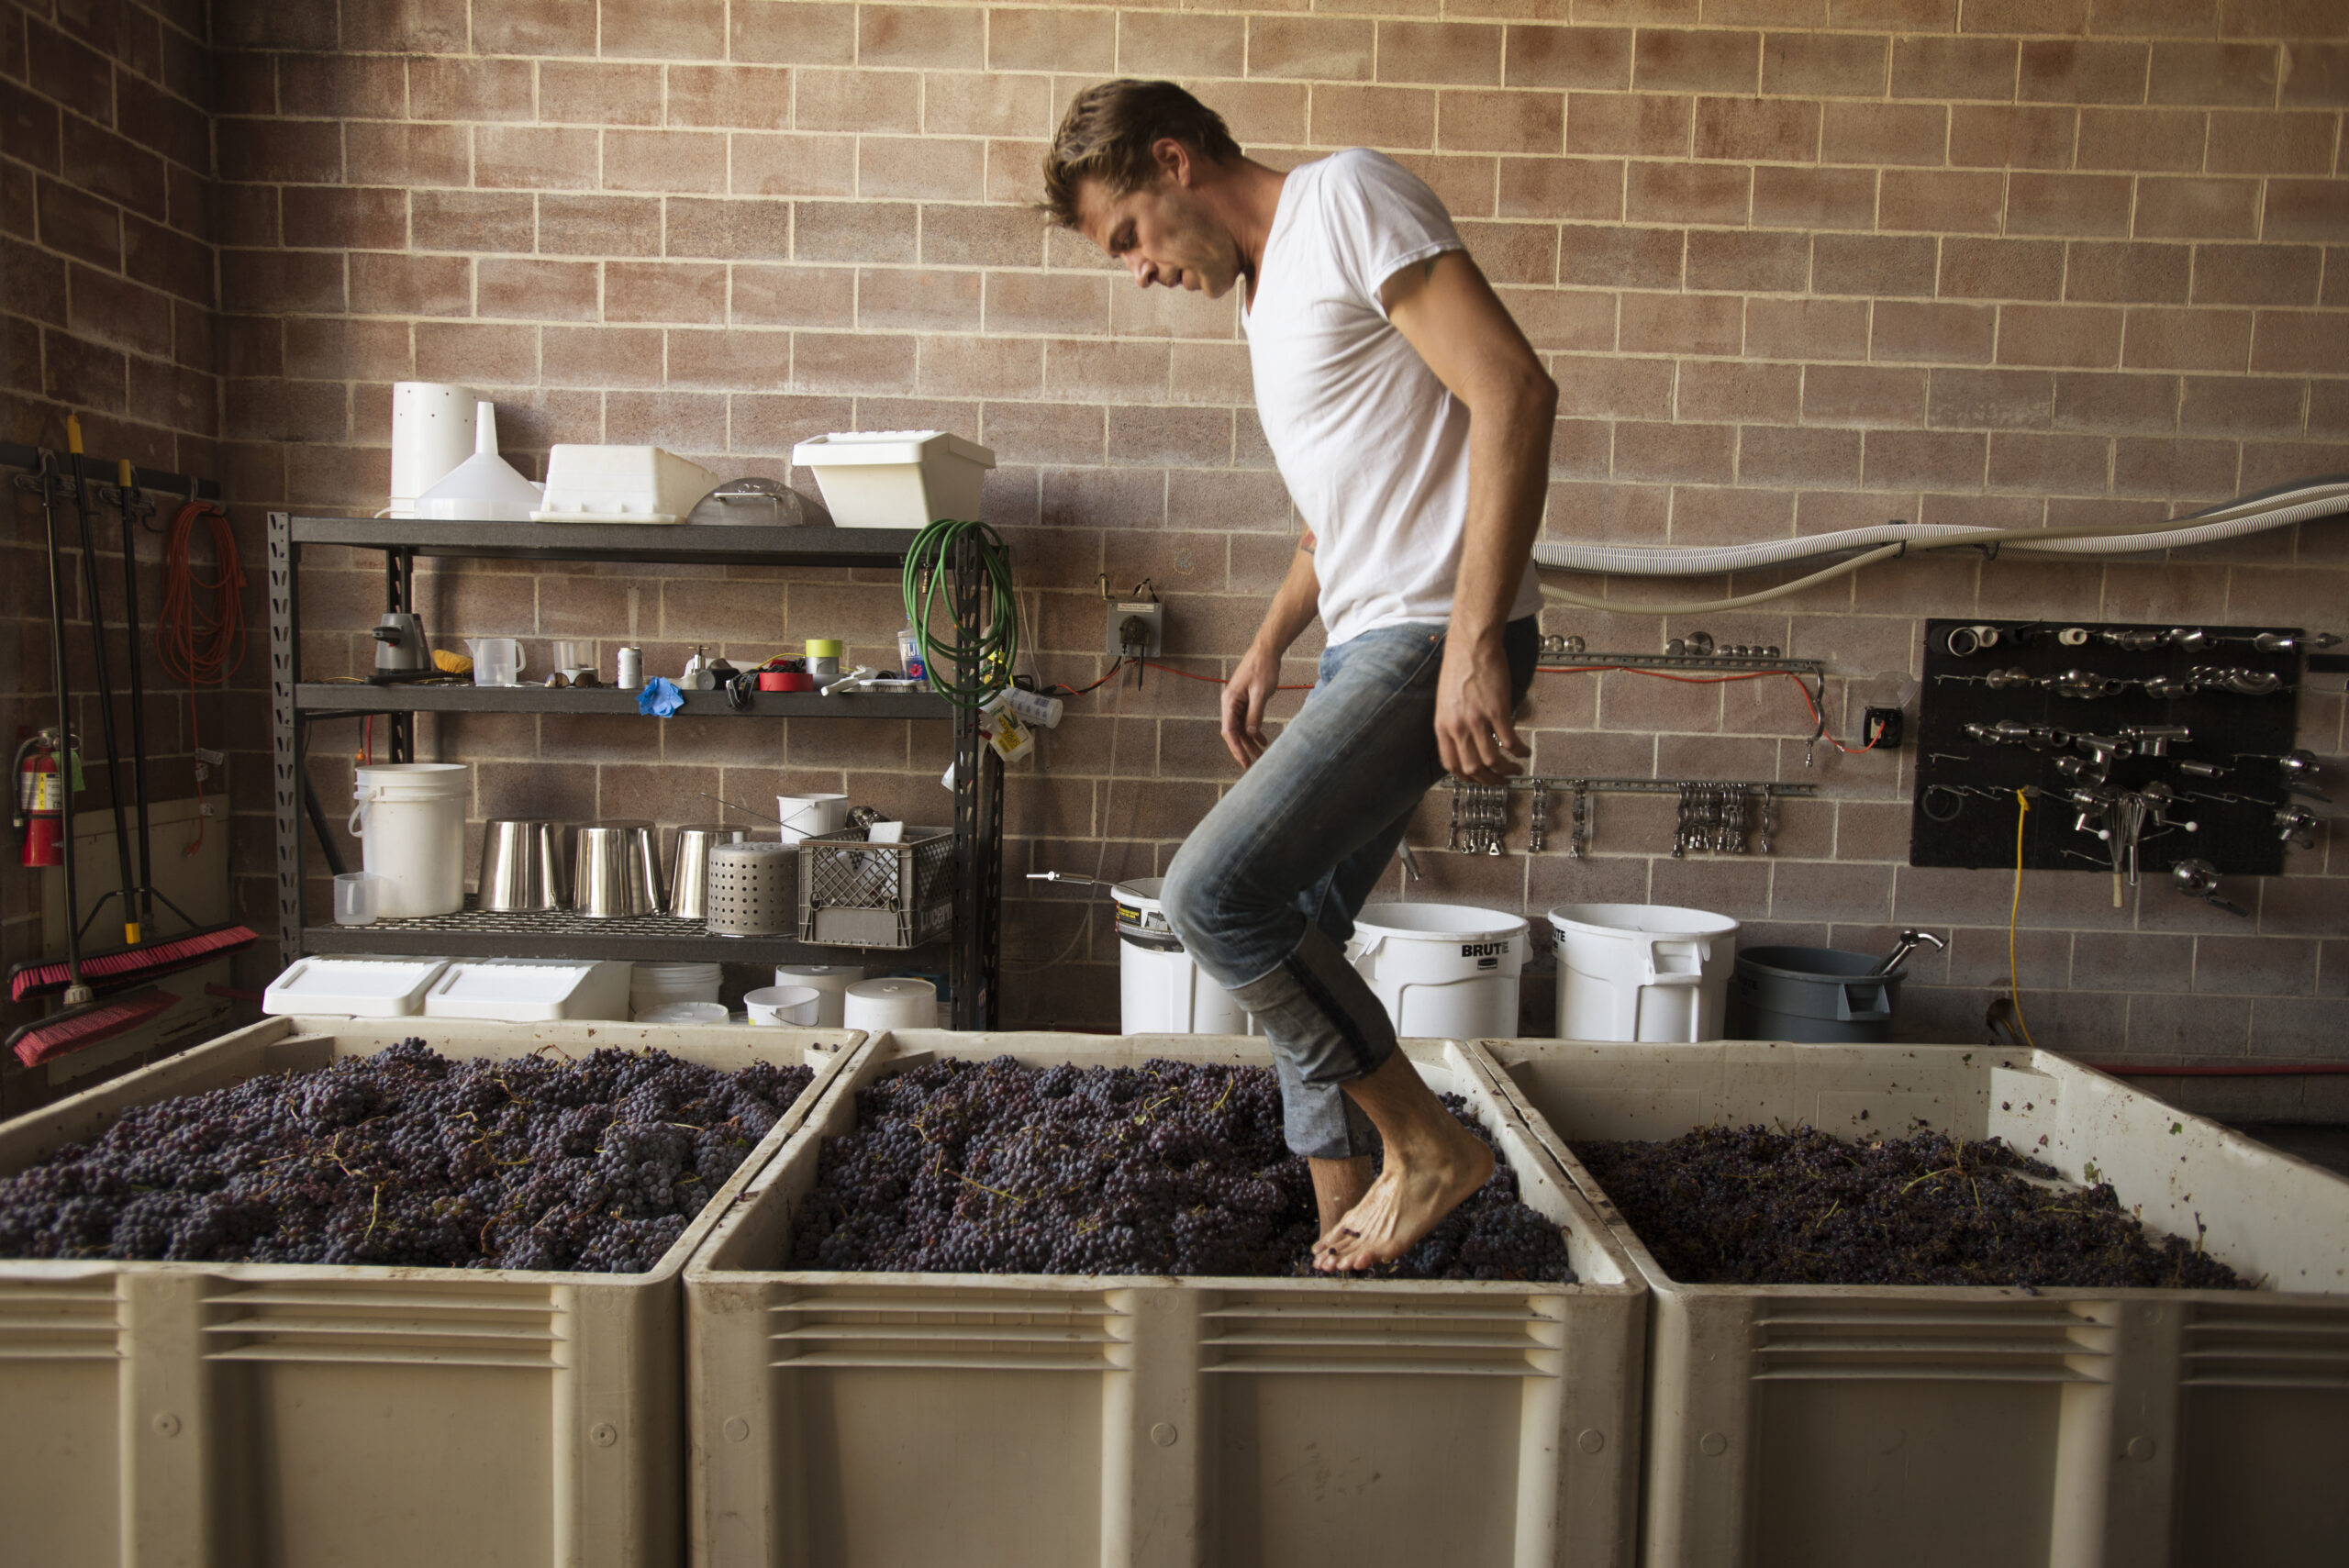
(1797,265)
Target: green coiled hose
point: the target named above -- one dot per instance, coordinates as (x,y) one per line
(977,660)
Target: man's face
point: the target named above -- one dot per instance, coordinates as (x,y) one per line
(1164,234)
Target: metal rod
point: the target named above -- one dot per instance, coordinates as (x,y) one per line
(51,481)
(144,911)
(1644,786)
(13,455)
(1731,663)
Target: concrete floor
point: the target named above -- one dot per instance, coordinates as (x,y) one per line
(2326,1146)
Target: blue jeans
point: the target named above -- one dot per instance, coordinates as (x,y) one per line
(1265,890)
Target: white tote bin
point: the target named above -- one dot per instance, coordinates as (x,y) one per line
(409,818)
(897,479)
(291,1414)
(621,484)
(2099,1427)
(1442,969)
(1636,972)
(1160,989)
(322,986)
(530,990)
(843,1419)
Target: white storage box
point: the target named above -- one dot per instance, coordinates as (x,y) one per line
(530,990)
(218,1414)
(621,484)
(353,987)
(1150,1421)
(896,478)
(2072,1428)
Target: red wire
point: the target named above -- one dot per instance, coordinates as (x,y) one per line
(1714,681)
(202,649)
(1213,679)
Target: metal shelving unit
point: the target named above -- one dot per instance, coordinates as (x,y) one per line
(973,956)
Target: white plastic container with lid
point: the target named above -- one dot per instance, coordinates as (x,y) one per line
(530,990)
(1160,989)
(621,484)
(352,987)
(409,818)
(896,478)
(1442,969)
(1643,971)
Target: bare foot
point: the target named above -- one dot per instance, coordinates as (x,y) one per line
(1337,1186)
(1409,1199)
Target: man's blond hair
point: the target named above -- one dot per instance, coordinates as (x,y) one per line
(1108,134)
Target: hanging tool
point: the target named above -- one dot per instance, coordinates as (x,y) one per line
(139,904)
(2200,879)
(96,611)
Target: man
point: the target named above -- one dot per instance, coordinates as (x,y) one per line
(1410,422)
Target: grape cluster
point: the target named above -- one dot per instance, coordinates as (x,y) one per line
(1171,1168)
(1756,1205)
(406,1157)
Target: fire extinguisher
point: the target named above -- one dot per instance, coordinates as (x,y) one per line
(40,801)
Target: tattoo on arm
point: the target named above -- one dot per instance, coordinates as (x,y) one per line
(1427,267)
(1308,543)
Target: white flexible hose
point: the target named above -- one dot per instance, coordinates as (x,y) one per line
(2288,505)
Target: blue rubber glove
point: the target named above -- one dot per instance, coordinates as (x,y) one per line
(660,697)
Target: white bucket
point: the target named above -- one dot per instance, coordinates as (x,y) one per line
(1643,971)
(1160,990)
(900,1001)
(410,821)
(1442,969)
(831,979)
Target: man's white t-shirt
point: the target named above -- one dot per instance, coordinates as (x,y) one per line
(1372,448)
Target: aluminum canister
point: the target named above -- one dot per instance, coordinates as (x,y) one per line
(689,867)
(631,669)
(521,865)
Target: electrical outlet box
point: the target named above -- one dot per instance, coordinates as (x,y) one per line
(1880,728)
(1137,629)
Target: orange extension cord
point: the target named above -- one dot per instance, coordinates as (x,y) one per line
(201,643)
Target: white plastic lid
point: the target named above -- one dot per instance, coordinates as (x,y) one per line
(847,448)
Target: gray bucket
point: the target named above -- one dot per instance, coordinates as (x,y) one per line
(1814,994)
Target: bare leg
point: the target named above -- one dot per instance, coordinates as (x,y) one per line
(1433,1163)
(1338,1185)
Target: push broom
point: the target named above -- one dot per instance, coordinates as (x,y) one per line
(81,1023)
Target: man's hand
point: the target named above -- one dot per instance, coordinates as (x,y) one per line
(1473,725)
(1253,680)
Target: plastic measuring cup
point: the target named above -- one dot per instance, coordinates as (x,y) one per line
(497,661)
(359,897)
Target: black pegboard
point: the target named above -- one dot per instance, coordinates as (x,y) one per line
(2237,814)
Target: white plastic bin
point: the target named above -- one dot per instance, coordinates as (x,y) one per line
(1161,990)
(2097,1427)
(530,990)
(354,987)
(410,821)
(1642,971)
(621,484)
(897,479)
(1442,969)
(1076,1420)
(283,1414)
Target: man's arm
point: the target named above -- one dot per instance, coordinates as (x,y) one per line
(1444,309)
(1258,674)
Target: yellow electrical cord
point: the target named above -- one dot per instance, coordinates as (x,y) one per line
(2014,913)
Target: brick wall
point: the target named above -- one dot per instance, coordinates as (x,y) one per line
(106,274)
(1797,264)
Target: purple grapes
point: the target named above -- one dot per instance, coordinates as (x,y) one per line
(1754,1205)
(1171,1168)
(409,1158)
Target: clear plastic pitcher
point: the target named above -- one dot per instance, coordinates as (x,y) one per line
(497,661)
